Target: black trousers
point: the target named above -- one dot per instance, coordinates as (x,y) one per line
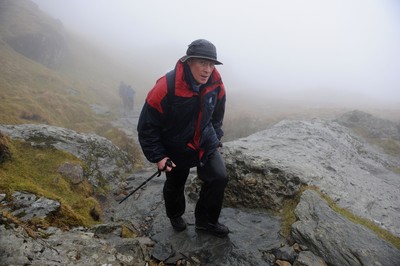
(208,207)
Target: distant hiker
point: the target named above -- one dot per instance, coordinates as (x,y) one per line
(130,97)
(127,94)
(181,120)
(122,92)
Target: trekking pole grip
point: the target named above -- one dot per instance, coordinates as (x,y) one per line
(168,163)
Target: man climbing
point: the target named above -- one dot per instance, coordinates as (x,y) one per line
(180,127)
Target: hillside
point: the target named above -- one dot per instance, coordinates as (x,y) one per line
(348,188)
(49,76)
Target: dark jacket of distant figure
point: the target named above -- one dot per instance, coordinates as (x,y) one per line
(184,125)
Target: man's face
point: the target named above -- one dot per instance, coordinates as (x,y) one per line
(201,69)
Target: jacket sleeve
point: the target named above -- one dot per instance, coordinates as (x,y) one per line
(151,123)
(219,112)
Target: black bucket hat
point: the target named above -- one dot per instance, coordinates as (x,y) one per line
(201,49)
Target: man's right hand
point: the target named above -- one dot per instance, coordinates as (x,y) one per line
(164,166)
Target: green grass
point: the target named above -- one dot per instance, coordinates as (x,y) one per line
(34,170)
(287,215)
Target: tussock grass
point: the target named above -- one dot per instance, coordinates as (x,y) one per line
(34,170)
(121,140)
(287,211)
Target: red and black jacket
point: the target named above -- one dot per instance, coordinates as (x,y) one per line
(179,122)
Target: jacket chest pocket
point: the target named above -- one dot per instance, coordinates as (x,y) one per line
(208,104)
(182,115)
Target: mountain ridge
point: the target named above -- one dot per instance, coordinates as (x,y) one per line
(50,76)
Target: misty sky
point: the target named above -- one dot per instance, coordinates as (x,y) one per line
(331,49)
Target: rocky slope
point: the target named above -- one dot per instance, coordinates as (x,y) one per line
(371,125)
(33,34)
(264,169)
(321,153)
(335,239)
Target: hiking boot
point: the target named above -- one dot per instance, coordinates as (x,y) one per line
(217,229)
(178,224)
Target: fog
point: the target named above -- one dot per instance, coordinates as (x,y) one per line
(334,52)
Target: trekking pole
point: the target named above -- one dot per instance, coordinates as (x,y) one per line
(158,173)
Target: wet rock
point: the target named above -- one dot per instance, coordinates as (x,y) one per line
(264,169)
(251,233)
(282,263)
(21,199)
(337,240)
(307,258)
(255,182)
(28,206)
(162,252)
(107,231)
(75,247)
(12,247)
(319,153)
(285,253)
(115,230)
(73,172)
